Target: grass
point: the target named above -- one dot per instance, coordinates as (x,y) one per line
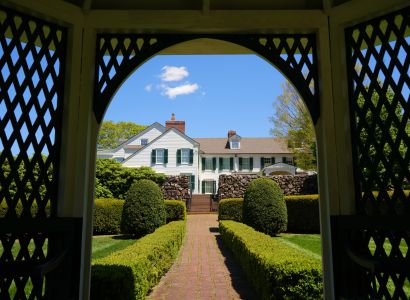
(105,245)
(307,242)
(102,246)
(310,243)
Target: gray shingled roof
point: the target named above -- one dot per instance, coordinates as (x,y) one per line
(248,146)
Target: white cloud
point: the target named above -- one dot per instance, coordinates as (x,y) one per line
(170,73)
(185,89)
(148,88)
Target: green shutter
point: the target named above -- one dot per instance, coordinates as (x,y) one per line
(178,156)
(250,163)
(191,156)
(153,156)
(231,163)
(221,163)
(192,182)
(273,160)
(203,163)
(165,156)
(240,163)
(262,162)
(214,188)
(214,163)
(203,187)
(283,159)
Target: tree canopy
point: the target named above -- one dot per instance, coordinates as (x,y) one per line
(113,180)
(291,119)
(113,134)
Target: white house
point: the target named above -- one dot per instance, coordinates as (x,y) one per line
(170,151)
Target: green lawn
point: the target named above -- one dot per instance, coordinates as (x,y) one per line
(102,246)
(310,243)
(105,245)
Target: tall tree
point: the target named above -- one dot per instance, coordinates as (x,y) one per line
(113,134)
(292,120)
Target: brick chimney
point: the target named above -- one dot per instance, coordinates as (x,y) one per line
(180,125)
(231,133)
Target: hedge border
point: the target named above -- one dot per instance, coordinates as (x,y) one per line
(303,212)
(276,270)
(132,272)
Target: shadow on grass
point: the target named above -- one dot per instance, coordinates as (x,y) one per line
(124,237)
(238,278)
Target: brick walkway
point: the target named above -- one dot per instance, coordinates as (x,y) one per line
(204,269)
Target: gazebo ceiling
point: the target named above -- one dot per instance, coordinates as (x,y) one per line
(209,4)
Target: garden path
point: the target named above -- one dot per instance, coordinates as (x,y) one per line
(204,269)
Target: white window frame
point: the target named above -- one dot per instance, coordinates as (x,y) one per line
(209,186)
(185,159)
(246,163)
(144,142)
(267,161)
(208,162)
(158,157)
(235,145)
(226,161)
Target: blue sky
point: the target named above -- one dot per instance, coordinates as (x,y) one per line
(211,93)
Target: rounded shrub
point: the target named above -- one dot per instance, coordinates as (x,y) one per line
(144,208)
(264,207)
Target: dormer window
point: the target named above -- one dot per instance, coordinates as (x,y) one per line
(234,140)
(144,142)
(235,145)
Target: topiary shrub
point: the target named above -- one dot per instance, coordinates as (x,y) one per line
(144,209)
(264,207)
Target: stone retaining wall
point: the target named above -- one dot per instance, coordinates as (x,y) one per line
(176,188)
(233,186)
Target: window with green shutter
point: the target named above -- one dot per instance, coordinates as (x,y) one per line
(178,156)
(153,156)
(191,156)
(225,163)
(208,187)
(185,156)
(160,156)
(244,163)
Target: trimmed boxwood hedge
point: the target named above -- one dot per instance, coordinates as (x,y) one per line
(107,216)
(275,269)
(230,209)
(175,209)
(132,272)
(303,212)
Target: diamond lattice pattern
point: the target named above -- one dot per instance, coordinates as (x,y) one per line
(378,62)
(31,95)
(120,54)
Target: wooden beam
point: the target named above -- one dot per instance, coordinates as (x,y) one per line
(59,12)
(190,21)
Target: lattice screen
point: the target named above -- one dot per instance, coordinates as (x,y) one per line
(118,55)
(378,54)
(31,97)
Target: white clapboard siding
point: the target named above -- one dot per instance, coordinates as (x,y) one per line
(150,135)
(172,141)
